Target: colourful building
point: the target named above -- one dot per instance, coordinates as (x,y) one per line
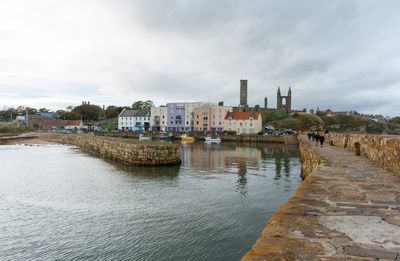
(210,117)
(158,118)
(180,116)
(134,120)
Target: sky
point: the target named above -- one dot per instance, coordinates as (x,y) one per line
(342,54)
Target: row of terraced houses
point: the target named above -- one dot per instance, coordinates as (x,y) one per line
(188,117)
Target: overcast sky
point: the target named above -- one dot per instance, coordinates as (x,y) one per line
(340,54)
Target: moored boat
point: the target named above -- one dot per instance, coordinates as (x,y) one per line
(186,138)
(164,137)
(210,139)
(142,137)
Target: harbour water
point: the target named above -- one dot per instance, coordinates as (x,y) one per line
(58,203)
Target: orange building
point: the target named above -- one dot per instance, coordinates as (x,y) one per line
(210,117)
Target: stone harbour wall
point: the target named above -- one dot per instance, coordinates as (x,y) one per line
(383,150)
(347,207)
(309,159)
(290,140)
(125,151)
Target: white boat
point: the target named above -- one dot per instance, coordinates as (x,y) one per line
(210,139)
(142,137)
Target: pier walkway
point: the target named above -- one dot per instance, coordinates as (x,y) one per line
(348,208)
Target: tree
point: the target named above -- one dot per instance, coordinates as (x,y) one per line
(9,114)
(137,105)
(68,115)
(44,110)
(88,111)
(148,104)
(112,112)
(142,104)
(395,120)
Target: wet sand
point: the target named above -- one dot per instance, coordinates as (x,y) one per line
(33,141)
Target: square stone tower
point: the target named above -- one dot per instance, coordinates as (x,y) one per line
(243,93)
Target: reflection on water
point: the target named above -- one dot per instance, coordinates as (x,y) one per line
(60,203)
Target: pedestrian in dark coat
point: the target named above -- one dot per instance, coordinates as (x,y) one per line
(313,136)
(309,136)
(317,139)
(321,140)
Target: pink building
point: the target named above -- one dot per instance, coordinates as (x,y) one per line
(210,117)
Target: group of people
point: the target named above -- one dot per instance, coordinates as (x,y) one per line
(318,137)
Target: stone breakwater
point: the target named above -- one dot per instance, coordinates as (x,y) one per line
(292,140)
(384,150)
(347,208)
(14,139)
(309,159)
(128,152)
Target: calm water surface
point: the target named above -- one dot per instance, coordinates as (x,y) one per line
(57,203)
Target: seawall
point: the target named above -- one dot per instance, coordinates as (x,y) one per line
(381,149)
(11,139)
(309,159)
(260,139)
(126,151)
(347,207)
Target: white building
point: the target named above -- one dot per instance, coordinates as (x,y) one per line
(134,120)
(158,118)
(243,122)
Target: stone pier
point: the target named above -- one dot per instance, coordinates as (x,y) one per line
(127,151)
(347,208)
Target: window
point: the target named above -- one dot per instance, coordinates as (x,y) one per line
(187,123)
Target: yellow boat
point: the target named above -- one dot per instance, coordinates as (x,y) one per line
(186,138)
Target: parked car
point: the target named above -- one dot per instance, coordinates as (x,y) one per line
(289,132)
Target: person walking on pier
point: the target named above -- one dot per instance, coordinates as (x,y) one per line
(321,139)
(316,139)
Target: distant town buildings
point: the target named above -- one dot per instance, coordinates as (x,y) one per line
(210,117)
(38,122)
(134,120)
(283,103)
(180,116)
(159,118)
(243,122)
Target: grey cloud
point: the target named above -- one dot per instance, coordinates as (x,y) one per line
(331,52)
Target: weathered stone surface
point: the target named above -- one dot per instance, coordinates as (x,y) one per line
(347,208)
(124,151)
(384,150)
(374,253)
